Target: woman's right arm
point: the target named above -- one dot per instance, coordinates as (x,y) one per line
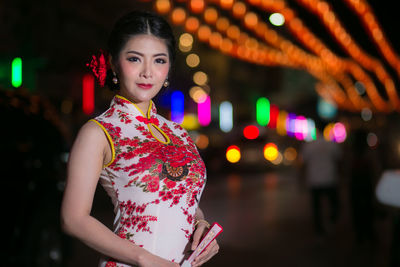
(87,157)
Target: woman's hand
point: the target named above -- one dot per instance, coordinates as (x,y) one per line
(209,252)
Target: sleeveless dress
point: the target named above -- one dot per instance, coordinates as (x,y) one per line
(155,185)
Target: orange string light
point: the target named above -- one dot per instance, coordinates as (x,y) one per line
(323,10)
(269,48)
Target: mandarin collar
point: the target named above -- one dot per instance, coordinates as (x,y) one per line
(127,106)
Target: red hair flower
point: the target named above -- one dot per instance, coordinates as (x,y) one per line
(99,66)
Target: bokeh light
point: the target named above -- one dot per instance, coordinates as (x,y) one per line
(239,9)
(290,154)
(88,94)
(372,140)
(277,19)
(339,132)
(200,78)
(278,160)
(281,123)
(198,94)
(226,116)
(190,122)
(210,15)
(301,129)
(202,141)
(326,110)
(273,116)
(366,114)
(196,6)
(270,151)
(192,60)
(178,16)
(233,154)
(16,72)
(185,42)
(251,132)
(262,111)
(177,106)
(204,112)
(162,6)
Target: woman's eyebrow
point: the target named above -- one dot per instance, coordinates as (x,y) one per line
(141,54)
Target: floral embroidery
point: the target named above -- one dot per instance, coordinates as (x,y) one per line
(123,117)
(111,264)
(109,112)
(147,121)
(132,219)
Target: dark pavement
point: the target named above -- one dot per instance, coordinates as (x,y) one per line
(267,222)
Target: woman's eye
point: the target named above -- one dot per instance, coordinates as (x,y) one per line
(133,59)
(161,61)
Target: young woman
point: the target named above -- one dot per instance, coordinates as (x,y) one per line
(148,165)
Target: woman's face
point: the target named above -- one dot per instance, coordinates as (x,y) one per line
(143,68)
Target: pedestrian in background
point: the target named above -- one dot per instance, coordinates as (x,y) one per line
(320,167)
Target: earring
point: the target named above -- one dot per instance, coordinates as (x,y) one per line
(115,79)
(166,83)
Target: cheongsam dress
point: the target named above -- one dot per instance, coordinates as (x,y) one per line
(155,185)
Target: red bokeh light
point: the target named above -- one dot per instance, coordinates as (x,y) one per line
(251,132)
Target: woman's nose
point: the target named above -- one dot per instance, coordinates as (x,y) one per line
(146,70)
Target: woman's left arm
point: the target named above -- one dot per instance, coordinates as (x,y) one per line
(201,228)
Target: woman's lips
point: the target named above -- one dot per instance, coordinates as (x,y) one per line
(145,85)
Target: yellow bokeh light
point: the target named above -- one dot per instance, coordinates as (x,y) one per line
(186,39)
(184,48)
(185,42)
(190,122)
(192,60)
(198,94)
(200,97)
(200,78)
(233,154)
(270,151)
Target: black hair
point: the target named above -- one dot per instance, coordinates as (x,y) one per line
(134,23)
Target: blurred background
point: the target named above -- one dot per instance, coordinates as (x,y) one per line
(253,82)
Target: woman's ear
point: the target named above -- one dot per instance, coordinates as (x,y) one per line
(110,62)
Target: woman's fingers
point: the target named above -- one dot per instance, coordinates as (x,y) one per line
(207,254)
(197,236)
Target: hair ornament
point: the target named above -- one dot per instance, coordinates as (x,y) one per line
(99,66)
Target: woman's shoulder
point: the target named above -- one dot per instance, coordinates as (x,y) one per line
(91,129)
